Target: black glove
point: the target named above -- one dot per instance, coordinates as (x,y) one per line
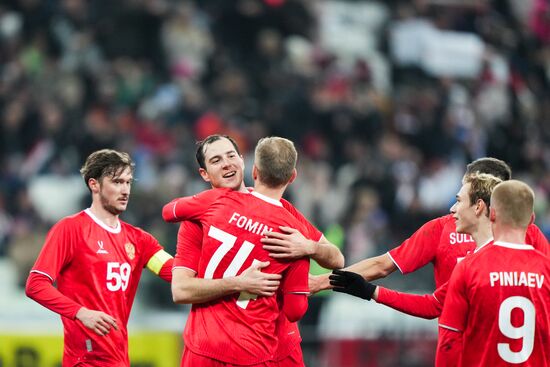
(351,283)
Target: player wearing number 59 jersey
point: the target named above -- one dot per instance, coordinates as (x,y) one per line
(98,267)
(96,261)
(497,301)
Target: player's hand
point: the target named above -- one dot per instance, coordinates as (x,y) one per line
(290,244)
(97,321)
(318,283)
(254,281)
(351,283)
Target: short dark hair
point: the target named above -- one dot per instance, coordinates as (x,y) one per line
(105,162)
(491,166)
(209,140)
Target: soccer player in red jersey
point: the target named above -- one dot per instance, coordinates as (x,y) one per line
(240,329)
(96,260)
(471,214)
(496,310)
(221,164)
(437,242)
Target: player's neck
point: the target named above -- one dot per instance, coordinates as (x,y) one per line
(242,188)
(482,234)
(108,218)
(273,193)
(510,235)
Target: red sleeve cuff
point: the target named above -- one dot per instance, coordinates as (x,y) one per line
(166,270)
(40,288)
(294,306)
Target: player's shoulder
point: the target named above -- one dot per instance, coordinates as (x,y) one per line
(481,255)
(73,220)
(446,220)
(283,210)
(287,204)
(221,191)
(130,228)
(289,207)
(434,228)
(440,222)
(541,256)
(533,228)
(533,232)
(71,225)
(215,193)
(511,250)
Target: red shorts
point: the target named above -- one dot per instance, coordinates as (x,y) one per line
(294,359)
(190,359)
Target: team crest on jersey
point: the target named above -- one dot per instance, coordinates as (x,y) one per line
(130,250)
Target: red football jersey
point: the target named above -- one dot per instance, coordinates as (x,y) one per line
(438,242)
(99,268)
(499,299)
(238,329)
(189,252)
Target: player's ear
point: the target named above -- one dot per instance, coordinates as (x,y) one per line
(204,174)
(532,220)
(254,172)
(492,214)
(480,207)
(94,185)
(293,177)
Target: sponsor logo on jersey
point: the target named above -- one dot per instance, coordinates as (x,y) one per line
(455,238)
(130,250)
(101,250)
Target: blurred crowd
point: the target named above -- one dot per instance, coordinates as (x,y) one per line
(383,139)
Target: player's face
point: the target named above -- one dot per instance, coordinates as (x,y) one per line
(114,192)
(463,211)
(224,166)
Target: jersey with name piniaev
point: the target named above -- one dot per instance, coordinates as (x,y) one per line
(499,298)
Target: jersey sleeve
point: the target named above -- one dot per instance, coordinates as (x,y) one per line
(191,207)
(188,250)
(312,232)
(39,287)
(449,348)
(419,249)
(57,250)
(425,306)
(294,306)
(536,238)
(295,279)
(441,293)
(158,261)
(149,245)
(455,309)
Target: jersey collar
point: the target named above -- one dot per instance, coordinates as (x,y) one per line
(101,224)
(266,198)
(485,244)
(515,246)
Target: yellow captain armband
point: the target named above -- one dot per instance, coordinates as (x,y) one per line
(156,261)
